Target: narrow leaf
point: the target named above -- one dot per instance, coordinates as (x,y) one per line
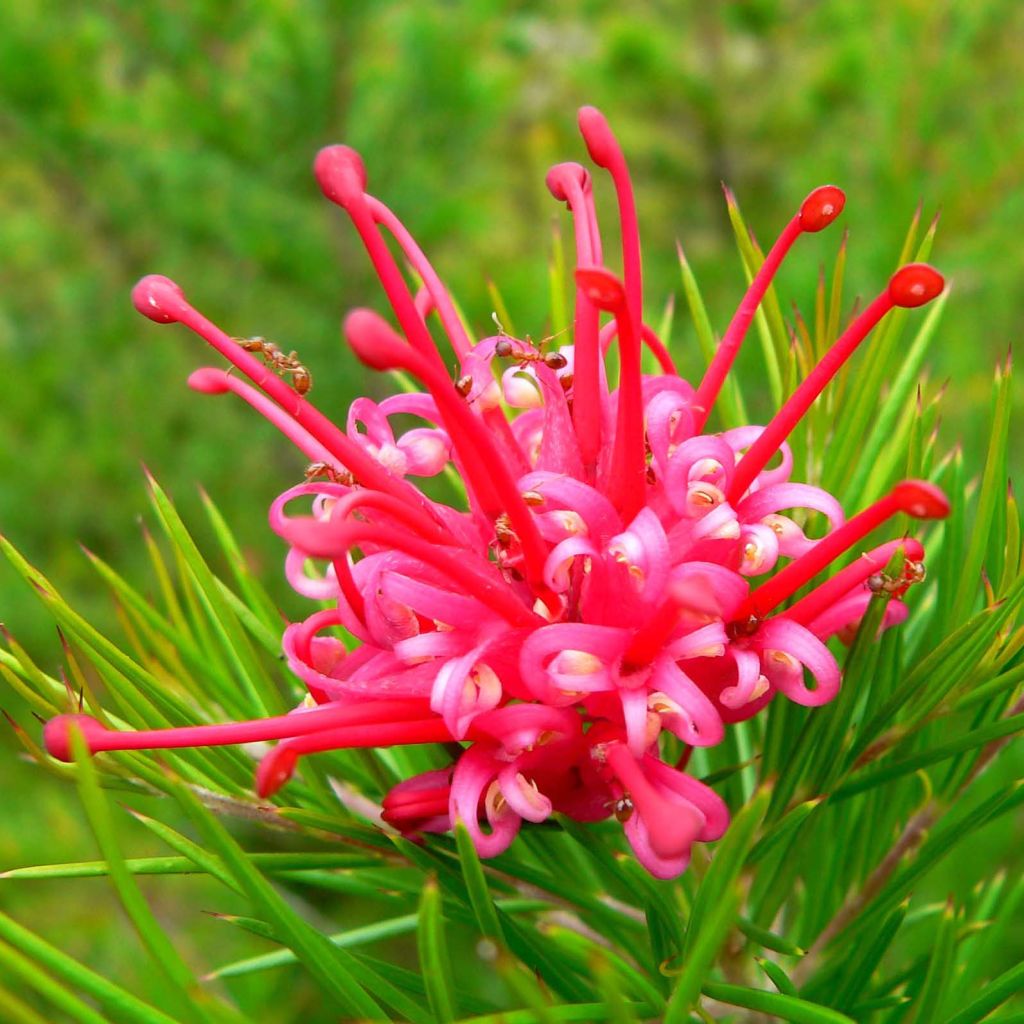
(476,885)
(992,995)
(433,952)
(776,1004)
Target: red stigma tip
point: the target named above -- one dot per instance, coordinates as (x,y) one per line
(275,770)
(374,342)
(341,174)
(921,499)
(208,381)
(57,734)
(562,175)
(158,298)
(821,207)
(601,286)
(597,135)
(915,284)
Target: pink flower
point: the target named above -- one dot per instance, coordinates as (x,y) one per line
(596,587)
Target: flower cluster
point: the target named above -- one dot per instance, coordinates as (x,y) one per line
(596,590)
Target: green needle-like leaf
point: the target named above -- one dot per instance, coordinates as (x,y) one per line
(332,968)
(59,996)
(929,999)
(768,940)
(847,983)
(476,885)
(715,909)
(433,951)
(250,676)
(375,932)
(249,586)
(993,486)
(782,1007)
(992,995)
(181,986)
(586,1012)
(777,976)
(619,1011)
(730,406)
(15,1011)
(31,950)
(884,773)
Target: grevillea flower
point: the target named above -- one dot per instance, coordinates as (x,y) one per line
(598,587)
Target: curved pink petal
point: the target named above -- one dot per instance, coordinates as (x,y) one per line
(434,602)
(797,642)
(276,515)
(669,422)
(780,497)
(413,403)
(758,549)
(465,687)
(366,412)
(564,492)
(741,438)
(712,590)
(573,657)
(634,715)
(522,794)
(705,799)
(475,771)
(708,641)
(705,449)
(518,726)
(317,588)
(428,646)
(848,612)
(749,684)
(693,718)
(560,561)
(643,546)
(660,867)
(426,451)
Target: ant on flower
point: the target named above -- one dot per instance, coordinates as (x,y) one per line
(285,365)
(325,471)
(622,808)
(896,586)
(507,348)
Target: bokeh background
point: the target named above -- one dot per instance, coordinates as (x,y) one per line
(177,138)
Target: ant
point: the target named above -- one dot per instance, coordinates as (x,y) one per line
(552,360)
(325,471)
(503,532)
(741,629)
(506,348)
(286,365)
(623,808)
(896,586)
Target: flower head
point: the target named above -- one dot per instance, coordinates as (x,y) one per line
(598,586)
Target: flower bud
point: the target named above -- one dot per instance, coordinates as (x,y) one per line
(159,298)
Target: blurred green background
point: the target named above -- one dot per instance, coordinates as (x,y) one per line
(177,138)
